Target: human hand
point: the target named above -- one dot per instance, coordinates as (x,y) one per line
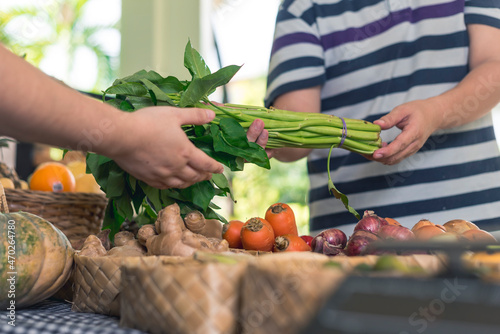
(157,151)
(256,133)
(417,120)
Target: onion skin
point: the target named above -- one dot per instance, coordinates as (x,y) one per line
(329,242)
(394,232)
(479,236)
(459,226)
(308,239)
(427,232)
(359,242)
(370,222)
(421,223)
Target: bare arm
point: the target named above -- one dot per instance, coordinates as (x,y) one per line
(148,144)
(471,99)
(304,100)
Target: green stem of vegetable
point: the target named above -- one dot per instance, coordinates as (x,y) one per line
(302,130)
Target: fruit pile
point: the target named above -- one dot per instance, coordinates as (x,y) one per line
(52,176)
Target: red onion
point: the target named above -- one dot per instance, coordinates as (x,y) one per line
(308,239)
(394,232)
(370,222)
(329,242)
(359,241)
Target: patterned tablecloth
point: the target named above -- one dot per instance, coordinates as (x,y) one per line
(56,317)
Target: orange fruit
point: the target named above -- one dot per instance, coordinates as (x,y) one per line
(52,176)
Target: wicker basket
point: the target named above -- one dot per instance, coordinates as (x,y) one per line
(76,214)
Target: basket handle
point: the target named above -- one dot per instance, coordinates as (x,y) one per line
(4,208)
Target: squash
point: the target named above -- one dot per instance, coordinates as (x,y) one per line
(36,258)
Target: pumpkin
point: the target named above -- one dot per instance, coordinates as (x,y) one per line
(36,258)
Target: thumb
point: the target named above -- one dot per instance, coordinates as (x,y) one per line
(391,119)
(195,116)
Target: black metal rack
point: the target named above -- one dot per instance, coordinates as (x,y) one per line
(456,301)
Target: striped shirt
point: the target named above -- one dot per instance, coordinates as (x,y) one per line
(370,56)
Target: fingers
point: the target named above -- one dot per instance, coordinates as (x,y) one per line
(195,116)
(201,162)
(257,134)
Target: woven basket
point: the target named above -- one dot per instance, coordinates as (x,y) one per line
(76,214)
(188,297)
(281,293)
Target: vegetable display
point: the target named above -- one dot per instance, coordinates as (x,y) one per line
(224,139)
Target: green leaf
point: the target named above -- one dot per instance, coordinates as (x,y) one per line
(221,181)
(153,195)
(138,76)
(201,88)
(171,85)
(126,106)
(231,138)
(200,193)
(112,220)
(116,183)
(194,62)
(159,94)
(124,206)
(128,88)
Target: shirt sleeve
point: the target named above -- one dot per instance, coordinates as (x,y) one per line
(297,59)
(485,12)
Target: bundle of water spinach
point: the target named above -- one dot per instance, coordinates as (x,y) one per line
(224,139)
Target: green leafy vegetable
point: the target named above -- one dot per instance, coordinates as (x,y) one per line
(224,139)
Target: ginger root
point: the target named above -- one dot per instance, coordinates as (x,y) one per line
(145,232)
(102,235)
(92,247)
(126,245)
(174,239)
(210,228)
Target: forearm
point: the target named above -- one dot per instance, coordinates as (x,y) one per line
(305,100)
(473,97)
(37,108)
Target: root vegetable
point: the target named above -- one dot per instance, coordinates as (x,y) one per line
(459,226)
(196,223)
(282,219)
(231,232)
(145,232)
(422,223)
(394,232)
(479,236)
(102,235)
(174,238)
(92,247)
(257,234)
(358,243)
(122,237)
(427,232)
(370,222)
(329,242)
(290,243)
(126,245)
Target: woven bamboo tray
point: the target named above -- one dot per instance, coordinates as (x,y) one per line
(76,214)
(282,292)
(97,282)
(190,297)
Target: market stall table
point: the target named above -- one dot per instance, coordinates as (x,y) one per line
(55,317)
